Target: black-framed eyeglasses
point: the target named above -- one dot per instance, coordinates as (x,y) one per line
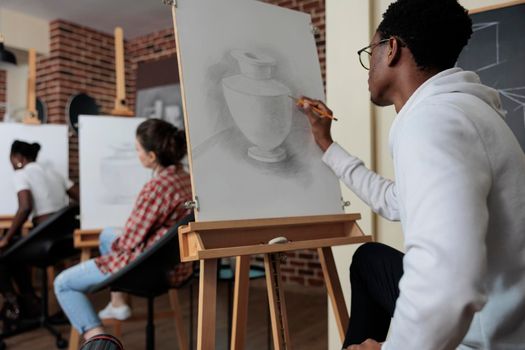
(366,53)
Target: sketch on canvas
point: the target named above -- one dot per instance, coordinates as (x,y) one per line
(253,154)
(111,175)
(260,105)
(161,102)
(54,153)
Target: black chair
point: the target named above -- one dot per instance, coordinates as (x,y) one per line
(47,244)
(148,275)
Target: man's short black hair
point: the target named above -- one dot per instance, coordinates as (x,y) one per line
(435,31)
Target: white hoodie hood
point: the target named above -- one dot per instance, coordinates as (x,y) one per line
(451,81)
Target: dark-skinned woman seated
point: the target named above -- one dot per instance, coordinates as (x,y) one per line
(41,191)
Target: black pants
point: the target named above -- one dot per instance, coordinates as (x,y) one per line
(374,275)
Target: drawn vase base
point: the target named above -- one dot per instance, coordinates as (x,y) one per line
(269,156)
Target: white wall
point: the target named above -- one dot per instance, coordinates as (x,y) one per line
(23,32)
(350,25)
(16,84)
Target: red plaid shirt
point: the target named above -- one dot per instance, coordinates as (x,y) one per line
(159,205)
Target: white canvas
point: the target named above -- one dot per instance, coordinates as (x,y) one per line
(161,102)
(111,175)
(53,140)
(252,152)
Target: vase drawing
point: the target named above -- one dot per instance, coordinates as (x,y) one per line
(118,187)
(259,105)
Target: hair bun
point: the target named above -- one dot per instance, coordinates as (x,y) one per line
(164,139)
(27,150)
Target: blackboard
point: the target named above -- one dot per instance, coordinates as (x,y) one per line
(496,52)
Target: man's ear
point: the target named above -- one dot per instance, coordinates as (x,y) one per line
(394,51)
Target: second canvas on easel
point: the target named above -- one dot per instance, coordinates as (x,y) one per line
(252,152)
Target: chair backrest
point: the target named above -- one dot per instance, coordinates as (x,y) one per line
(56,231)
(147,275)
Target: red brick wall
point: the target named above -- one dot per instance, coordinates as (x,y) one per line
(2,93)
(82,60)
(148,48)
(317,10)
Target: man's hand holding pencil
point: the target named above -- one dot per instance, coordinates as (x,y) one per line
(320,118)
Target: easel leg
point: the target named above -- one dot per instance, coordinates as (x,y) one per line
(207,305)
(281,335)
(240,302)
(74,338)
(333,287)
(85,254)
(182,336)
(51,291)
(117,329)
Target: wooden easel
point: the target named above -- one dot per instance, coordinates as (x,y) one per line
(31,115)
(121,108)
(7,220)
(210,241)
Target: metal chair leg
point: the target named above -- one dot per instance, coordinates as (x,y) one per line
(61,343)
(268,328)
(230,312)
(150,326)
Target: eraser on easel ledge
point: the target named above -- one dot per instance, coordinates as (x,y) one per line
(278,240)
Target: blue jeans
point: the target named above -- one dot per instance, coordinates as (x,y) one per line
(106,238)
(72,284)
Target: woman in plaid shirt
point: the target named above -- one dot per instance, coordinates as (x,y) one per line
(159,205)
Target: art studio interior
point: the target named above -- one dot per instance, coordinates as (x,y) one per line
(262,174)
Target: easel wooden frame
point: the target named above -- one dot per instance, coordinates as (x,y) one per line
(7,220)
(496,7)
(121,108)
(210,241)
(31,115)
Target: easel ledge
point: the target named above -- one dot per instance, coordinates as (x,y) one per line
(218,239)
(86,239)
(210,241)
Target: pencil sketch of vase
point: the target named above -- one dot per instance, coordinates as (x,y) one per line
(118,187)
(260,105)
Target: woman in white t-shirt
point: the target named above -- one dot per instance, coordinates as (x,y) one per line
(41,192)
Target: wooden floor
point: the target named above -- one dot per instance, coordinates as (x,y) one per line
(307,314)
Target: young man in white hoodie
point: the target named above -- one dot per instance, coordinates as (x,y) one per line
(459,192)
